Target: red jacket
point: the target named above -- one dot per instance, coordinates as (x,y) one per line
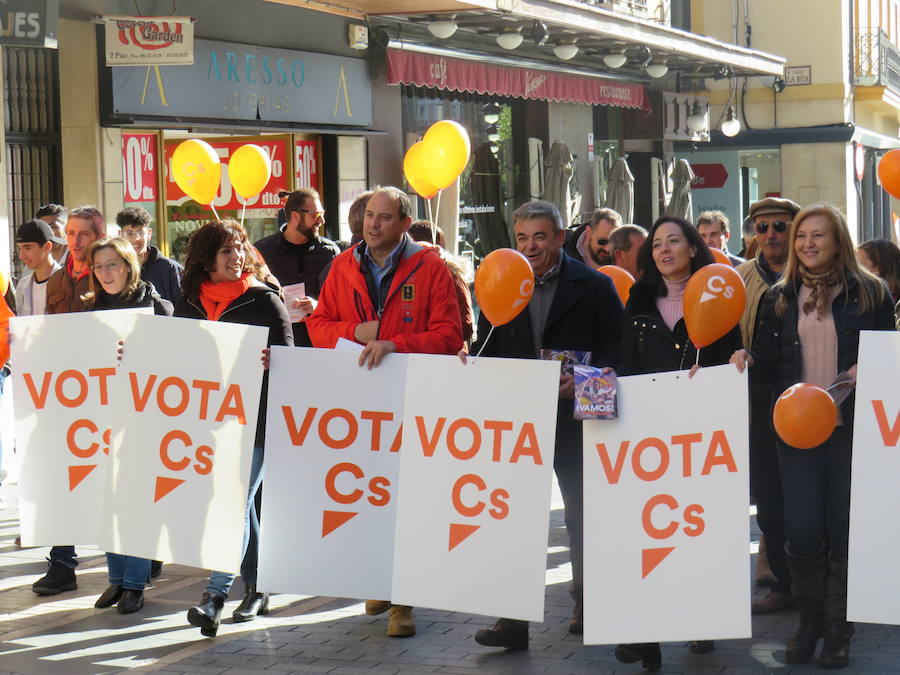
(420,314)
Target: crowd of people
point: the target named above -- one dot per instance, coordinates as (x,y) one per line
(393,288)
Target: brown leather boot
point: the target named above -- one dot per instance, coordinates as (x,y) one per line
(509,633)
(809,591)
(764,575)
(838,631)
(400,621)
(377,606)
(772,603)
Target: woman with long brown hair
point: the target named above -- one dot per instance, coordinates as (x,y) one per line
(809,332)
(223,281)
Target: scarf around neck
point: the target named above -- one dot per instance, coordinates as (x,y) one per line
(215,298)
(819,285)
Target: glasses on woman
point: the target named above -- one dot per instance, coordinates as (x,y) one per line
(106,267)
(778,226)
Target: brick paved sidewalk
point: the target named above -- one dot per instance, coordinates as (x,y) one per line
(65,634)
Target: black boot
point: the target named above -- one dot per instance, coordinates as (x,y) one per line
(838,631)
(58,579)
(131,601)
(155,568)
(648,653)
(207,614)
(701,646)
(110,597)
(509,633)
(808,588)
(254,604)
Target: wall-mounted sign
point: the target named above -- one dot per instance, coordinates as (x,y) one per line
(246,82)
(29,23)
(797,75)
(139,159)
(306,161)
(709,176)
(149,40)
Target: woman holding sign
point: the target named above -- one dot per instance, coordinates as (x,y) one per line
(655,339)
(809,332)
(115,283)
(223,282)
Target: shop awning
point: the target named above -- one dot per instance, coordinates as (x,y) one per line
(443,72)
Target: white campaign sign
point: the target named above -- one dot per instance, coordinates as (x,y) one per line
(187,399)
(873,585)
(64,369)
(332,456)
(666,511)
(475,479)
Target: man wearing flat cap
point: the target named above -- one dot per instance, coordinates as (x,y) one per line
(34,241)
(772,219)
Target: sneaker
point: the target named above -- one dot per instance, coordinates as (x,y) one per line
(58,579)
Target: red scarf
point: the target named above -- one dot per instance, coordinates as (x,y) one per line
(70,269)
(215,298)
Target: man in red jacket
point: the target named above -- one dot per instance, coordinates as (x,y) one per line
(390,294)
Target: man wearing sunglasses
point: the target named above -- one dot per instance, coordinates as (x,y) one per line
(771,218)
(589,243)
(298,254)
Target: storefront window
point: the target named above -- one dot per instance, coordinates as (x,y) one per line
(487,184)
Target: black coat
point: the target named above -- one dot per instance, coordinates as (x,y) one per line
(257,306)
(287,269)
(778,354)
(144,296)
(585,315)
(164,273)
(648,346)
(570,247)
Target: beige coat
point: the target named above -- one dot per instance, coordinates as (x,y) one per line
(756,289)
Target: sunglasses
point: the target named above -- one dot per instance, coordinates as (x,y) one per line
(602,242)
(778,226)
(318,214)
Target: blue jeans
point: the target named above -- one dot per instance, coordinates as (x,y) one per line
(127,571)
(220,582)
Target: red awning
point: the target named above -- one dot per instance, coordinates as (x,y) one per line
(442,72)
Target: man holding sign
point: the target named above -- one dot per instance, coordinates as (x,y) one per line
(390,294)
(573,308)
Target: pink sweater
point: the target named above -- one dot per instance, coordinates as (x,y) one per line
(818,342)
(671,307)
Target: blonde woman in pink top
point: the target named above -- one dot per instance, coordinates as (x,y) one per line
(809,332)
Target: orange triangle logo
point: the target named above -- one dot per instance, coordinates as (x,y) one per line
(332,520)
(78,474)
(651,557)
(164,486)
(459,533)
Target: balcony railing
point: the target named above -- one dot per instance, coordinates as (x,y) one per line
(877,60)
(650,10)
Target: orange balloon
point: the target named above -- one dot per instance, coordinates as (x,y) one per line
(415,164)
(504,283)
(622,280)
(714,300)
(889,172)
(804,416)
(719,256)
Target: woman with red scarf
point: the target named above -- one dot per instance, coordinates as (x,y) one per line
(223,282)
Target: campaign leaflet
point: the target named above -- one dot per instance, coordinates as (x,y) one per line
(595,393)
(568,357)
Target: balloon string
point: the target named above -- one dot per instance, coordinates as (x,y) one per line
(213,207)
(697,362)
(437,209)
(484,344)
(243,211)
(428,209)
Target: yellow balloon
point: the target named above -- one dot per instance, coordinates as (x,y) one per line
(448,150)
(415,169)
(197,170)
(249,169)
